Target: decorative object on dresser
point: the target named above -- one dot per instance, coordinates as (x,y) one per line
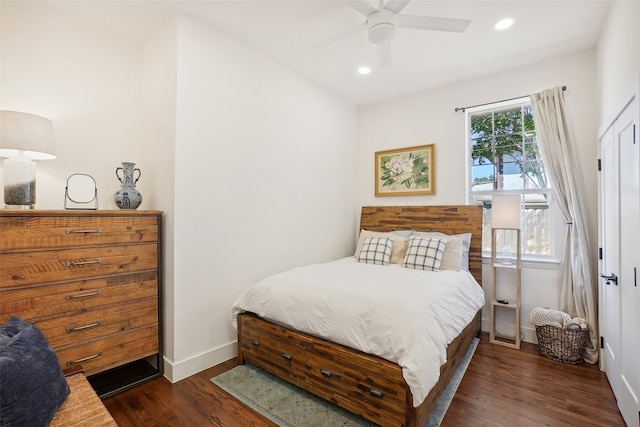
(81,192)
(365,383)
(90,280)
(505,263)
(128,197)
(23,138)
(405,171)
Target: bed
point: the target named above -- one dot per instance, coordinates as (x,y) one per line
(362,375)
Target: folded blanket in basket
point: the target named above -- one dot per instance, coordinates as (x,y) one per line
(545,316)
(578,321)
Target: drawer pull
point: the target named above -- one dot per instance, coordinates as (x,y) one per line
(254,342)
(376,393)
(80,328)
(97,230)
(286,356)
(90,294)
(84,359)
(95,261)
(325,372)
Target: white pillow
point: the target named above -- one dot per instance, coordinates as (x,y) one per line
(425,253)
(375,250)
(398,247)
(456,253)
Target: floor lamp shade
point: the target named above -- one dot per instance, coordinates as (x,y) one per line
(23,138)
(505,211)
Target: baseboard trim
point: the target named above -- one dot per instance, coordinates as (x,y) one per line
(176,371)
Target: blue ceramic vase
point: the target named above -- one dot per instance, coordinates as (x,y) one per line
(128,197)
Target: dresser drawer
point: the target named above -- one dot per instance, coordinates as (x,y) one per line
(29,268)
(362,391)
(52,300)
(273,353)
(96,323)
(18,233)
(114,350)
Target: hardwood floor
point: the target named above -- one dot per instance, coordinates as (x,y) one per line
(502,387)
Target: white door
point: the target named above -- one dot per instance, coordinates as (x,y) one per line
(620,237)
(610,234)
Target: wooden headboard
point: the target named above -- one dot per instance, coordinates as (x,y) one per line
(446,219)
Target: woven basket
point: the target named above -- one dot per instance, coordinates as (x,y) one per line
(564,345)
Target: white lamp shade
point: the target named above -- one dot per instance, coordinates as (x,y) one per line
(26,134)
(505,211)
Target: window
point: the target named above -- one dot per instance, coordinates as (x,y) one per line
(504,157)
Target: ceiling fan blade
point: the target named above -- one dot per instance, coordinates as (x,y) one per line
(433,23)
(396,5)
(342,35)
(384,55)
(361,6)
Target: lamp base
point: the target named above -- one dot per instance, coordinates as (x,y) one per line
(19,207)
(19,181)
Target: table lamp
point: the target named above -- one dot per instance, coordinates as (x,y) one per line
(23,138)
(505,211)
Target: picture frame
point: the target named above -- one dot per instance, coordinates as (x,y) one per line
(406,171)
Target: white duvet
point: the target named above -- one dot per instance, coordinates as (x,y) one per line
(405,316)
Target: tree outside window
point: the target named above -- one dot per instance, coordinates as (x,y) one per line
(505,158)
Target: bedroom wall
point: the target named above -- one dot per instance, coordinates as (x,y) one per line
(83,79)
(618,62)
(429,117)
(264,181)
(251,163)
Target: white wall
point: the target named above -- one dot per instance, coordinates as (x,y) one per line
(251,163)
(263,182)
(83,79)
(429,117)
(618,64)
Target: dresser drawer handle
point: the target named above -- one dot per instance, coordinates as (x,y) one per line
(81,328)
(325,372)
(95,261)
(84,359)
(90,294)
(97,230)
(254,342)
(376,393)
(286,356)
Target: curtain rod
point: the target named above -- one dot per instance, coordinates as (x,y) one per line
(494,102)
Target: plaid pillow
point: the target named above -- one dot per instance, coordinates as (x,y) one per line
(424,253)
(375,250)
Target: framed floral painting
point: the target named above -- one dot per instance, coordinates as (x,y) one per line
(405,171)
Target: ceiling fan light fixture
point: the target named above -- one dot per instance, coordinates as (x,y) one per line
(382,26)
(382,34)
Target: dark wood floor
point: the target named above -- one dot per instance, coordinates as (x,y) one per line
(502,387)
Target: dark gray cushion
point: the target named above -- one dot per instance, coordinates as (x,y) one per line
(32,385)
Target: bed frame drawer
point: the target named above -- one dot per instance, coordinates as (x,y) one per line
(362,391)
(273,353)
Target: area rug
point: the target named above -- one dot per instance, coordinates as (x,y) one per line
(291,406)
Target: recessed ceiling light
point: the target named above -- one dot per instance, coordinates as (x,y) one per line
(364,70)
(503,24)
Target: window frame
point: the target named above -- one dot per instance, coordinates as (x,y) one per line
(543,260)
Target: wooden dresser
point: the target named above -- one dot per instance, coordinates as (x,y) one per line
(90,280)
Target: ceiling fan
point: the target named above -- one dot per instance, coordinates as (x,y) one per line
(381,24)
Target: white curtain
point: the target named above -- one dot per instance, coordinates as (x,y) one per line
(578,292)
